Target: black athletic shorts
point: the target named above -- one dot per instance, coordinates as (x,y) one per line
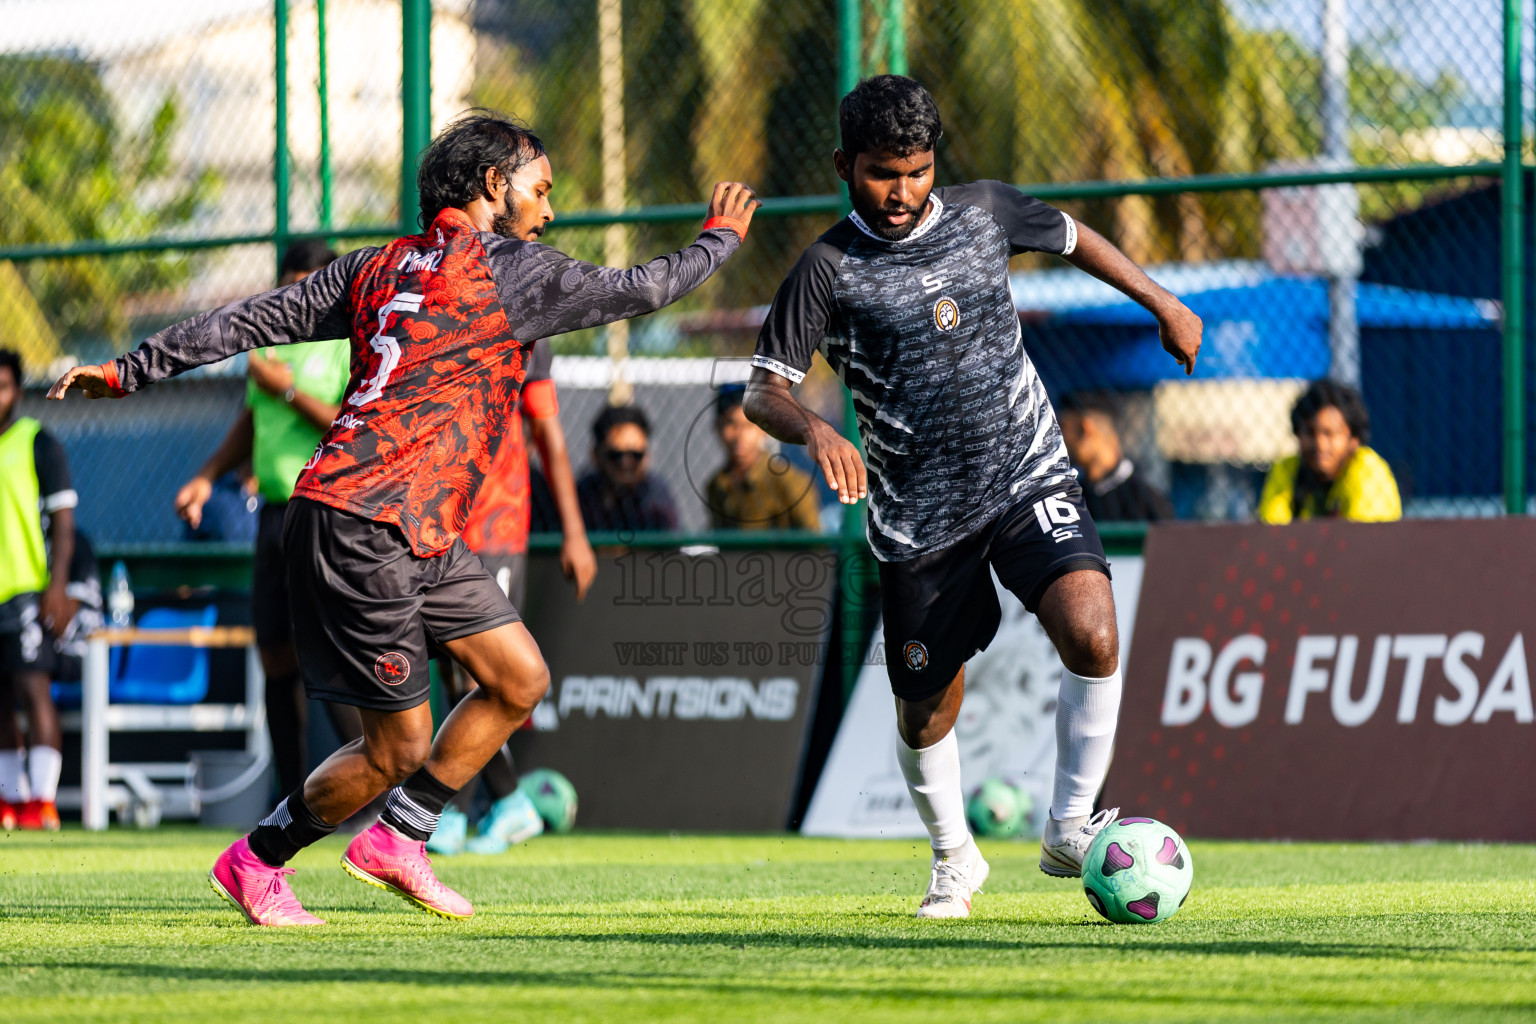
(510,573)
(941,607)
(365,609)
(270,610)
(24,645)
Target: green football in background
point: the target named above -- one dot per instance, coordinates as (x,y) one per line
(1137,871)
(553,797)
(997,809)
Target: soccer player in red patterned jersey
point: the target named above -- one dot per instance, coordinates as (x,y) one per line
(441,324)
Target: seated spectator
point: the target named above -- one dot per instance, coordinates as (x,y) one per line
(1113,490)
(1335,475)
(620,493)
(756,489)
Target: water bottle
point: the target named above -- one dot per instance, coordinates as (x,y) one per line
(120,598)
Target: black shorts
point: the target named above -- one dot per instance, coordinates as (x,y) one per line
(365,609)
(510,573)
(24,645)
(941,607)
(270,609)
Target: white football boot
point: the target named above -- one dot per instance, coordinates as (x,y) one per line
(1061,854)
(952,882)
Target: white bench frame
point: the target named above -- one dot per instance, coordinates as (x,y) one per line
(132,787)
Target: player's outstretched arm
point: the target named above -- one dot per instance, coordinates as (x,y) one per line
(90,381)
(315,307)
(546,292)
(1177,325)
(769,404)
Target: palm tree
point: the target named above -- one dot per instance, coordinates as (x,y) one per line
(67,174)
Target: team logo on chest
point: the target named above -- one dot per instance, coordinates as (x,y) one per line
(946,314)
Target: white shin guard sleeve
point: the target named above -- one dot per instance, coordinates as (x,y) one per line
(933,779)
(13,777)
(1086,711)
(43,767)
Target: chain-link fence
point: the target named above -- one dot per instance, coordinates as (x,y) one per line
(1319,179)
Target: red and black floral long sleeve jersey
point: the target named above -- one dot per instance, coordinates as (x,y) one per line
(437,323)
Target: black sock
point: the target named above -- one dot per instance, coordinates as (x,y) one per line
(287,830)
(286,720)
(413,807)
(499,775)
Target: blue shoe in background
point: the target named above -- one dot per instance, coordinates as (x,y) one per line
(452,829)
(511,820)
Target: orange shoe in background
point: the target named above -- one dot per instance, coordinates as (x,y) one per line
(38,816)
(7,817)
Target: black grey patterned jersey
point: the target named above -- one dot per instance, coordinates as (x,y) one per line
(544,292)
(955,421)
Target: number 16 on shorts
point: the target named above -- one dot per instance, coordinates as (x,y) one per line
(1058,517)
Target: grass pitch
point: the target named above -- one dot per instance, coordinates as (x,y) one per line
(122,926)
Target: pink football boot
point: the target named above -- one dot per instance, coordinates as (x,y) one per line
(257,888)
(383,858)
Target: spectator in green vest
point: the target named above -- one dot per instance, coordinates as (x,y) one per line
(34,488)
(292,394)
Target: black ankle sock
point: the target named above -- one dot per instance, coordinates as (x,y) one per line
(287,830)
(414,807)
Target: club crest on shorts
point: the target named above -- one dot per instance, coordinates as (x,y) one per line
(915,654)
(392,668)
(946,314)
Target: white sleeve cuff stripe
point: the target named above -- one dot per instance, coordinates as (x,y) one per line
(782,369)
(60,500)
(1071,234)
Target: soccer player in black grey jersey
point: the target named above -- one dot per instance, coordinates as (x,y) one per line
(907,299)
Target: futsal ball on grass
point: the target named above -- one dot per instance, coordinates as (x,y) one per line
(1137,871)
(553,797)
(998,809)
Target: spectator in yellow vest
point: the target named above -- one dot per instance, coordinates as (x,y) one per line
(1335,474)
(34,487)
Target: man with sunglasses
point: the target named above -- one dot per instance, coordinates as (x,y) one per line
(619,493)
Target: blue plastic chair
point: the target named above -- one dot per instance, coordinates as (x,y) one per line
(67,695)
(151,674)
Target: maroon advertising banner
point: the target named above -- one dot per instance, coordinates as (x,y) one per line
(1330,680)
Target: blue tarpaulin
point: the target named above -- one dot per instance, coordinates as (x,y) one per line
(1273,328)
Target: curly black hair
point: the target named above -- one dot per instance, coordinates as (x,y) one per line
(890,113)
(453,166)
(9,360)
(617,415)
(1311,490)
(1104,403)
(1320,394)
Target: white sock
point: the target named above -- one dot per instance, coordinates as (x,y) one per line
(12,782)
(1086,711)
(43,767)
(933,779)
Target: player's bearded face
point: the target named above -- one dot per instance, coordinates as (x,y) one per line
(525,208)
(889,192)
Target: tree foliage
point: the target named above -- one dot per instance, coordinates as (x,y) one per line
(69,173)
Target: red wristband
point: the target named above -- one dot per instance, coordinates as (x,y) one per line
(735,225)
(109,371)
